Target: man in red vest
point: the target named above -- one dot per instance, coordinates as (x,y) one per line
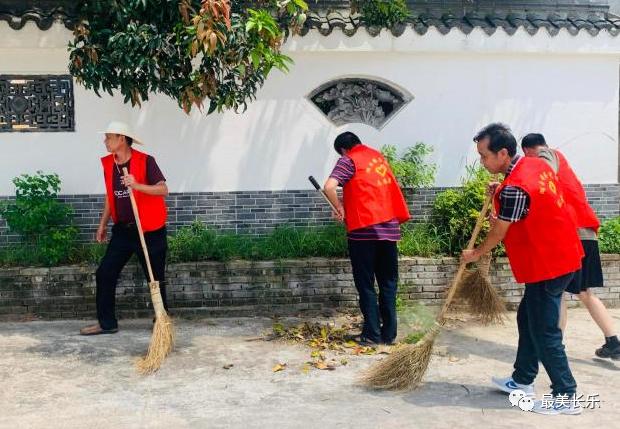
(373,208)
(544,251)
(591,273)
(149,189)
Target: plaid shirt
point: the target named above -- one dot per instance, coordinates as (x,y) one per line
(514,203)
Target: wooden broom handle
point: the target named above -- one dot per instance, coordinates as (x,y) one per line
(472,241)
(323,194)
(134,206)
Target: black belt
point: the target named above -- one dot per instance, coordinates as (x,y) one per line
(127,225)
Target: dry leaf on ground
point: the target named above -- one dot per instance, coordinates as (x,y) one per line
(325,366)
(383,350)
(279,367)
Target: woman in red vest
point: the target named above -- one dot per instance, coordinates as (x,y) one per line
(591,273)
(544,252)
(373,208)
(149,188)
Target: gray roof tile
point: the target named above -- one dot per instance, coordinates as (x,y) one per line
(445,15)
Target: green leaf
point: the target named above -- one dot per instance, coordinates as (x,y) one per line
(302,4)
(212,107)
(255,59)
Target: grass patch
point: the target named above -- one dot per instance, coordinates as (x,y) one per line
(197,243)
(423,240)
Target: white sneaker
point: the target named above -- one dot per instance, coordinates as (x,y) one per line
(556,408)
(508,385)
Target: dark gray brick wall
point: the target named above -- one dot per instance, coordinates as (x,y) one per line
(246,288)
(258,212)
(604,199)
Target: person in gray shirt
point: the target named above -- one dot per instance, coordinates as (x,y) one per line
(591,274)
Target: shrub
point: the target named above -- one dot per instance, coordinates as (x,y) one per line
(411,169)
(384,13)
(39,218)
(609,236)
(455,211)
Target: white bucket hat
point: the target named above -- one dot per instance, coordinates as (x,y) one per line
(118,127)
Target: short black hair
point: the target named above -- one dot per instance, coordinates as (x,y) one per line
(500,137)
(346,141)
(533,140)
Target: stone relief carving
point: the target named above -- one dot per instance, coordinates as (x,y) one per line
(358,100)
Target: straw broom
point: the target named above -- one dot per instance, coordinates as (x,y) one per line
(404,369)
(483,300)
(162,340)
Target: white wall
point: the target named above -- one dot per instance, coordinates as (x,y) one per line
(571,97)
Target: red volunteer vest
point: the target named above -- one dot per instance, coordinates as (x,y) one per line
(545,244)
(575,196)
(151,208)
(372,196)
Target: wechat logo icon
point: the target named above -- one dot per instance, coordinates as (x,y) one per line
(518,398)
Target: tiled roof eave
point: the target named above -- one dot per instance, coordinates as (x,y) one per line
(592,20)
(489,23)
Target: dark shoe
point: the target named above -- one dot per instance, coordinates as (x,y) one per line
(608,351)
(351,337)
(97,330)
(361,340)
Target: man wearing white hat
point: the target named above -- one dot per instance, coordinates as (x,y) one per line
(149,188)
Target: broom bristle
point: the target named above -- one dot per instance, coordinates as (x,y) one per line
(482,298)
(161,345)
(405,368)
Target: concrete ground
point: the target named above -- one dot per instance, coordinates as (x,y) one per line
(50,377)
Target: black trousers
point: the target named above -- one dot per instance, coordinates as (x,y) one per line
(124,243)
(378,259)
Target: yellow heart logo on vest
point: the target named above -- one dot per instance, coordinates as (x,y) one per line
(381,170)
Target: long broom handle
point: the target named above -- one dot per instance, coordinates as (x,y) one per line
(134,206)
(322,192)
(472,240)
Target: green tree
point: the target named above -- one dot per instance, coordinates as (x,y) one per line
(190,50)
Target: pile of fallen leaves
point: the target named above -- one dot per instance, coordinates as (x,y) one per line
(330,344)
